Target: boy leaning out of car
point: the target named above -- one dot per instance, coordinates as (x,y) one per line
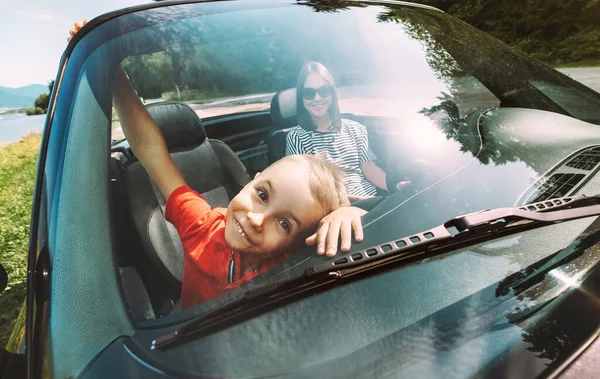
(271,215)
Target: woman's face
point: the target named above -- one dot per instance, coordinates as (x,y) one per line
(316,95)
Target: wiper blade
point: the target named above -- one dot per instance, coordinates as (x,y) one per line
(459,232)
(468,229)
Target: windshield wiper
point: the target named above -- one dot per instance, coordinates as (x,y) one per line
(457,233)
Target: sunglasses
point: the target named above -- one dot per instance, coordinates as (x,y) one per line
(324,91)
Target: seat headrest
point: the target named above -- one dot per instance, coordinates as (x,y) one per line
(178,123)
(283,109)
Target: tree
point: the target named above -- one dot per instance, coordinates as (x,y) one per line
(42,102)
(556,32)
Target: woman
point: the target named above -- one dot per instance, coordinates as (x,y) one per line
(322,132)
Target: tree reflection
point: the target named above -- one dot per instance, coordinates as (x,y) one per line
(419,26)
(556,332)
(553,332)
(549,339)
(330,6)
(466,132)
(456,53)
(430,30)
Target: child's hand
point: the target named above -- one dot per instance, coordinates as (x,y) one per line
(78,25)
(341,221)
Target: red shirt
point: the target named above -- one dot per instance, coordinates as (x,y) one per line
(207,256)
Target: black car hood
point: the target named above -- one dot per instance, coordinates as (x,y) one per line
(491,161)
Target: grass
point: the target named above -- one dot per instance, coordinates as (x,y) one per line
(17,175)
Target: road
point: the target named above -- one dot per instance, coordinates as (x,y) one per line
(589,76)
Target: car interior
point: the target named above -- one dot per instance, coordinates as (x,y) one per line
(217,157)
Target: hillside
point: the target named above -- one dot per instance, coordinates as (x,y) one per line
(557,32)
(22,96)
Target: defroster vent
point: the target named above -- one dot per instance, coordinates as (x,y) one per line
(586,160)
(558,185)
(566,179)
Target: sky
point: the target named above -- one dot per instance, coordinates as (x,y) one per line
(33,35)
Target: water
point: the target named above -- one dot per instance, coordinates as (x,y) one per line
(14,127)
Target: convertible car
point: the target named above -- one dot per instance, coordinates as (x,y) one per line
(486,265)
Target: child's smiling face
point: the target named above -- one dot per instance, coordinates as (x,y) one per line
(273,211)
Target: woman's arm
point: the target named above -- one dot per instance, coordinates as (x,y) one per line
(374,174)
(371,171)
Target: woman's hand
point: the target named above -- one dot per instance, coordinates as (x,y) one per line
(354,198)
(402,185)
(78,25)
(342,222)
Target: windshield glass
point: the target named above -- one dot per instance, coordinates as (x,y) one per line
(422,115)
(386,61)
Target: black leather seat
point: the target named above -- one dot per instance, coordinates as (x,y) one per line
(283,118)
(209,167)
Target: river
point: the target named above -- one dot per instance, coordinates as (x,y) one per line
(13,127)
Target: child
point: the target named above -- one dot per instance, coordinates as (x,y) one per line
(272,214)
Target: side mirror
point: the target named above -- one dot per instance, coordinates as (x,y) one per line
(3,278)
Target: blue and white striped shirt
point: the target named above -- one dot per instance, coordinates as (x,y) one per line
(347,149)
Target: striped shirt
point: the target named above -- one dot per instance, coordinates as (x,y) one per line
(347,149)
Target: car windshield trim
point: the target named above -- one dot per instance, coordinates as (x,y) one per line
(457,233)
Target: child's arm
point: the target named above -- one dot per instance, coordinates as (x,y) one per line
(340,222)
(142,133)
(145,137)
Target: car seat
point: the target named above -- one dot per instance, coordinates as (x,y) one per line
(209,167)
(283,118)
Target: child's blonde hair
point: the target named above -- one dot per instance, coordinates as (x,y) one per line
(326,181)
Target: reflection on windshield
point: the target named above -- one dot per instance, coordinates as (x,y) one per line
(272,54)
(446,108)
(417,80)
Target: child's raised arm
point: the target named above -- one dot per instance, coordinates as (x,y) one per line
(144,136)
(142,133)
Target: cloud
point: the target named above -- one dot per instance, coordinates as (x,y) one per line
(34,12)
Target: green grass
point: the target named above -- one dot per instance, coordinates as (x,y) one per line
(18,332)
(17,175)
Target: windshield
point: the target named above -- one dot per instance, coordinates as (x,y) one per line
(386,61)
(419,112)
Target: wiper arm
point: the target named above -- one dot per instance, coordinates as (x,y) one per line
(459,232)
(476,227)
